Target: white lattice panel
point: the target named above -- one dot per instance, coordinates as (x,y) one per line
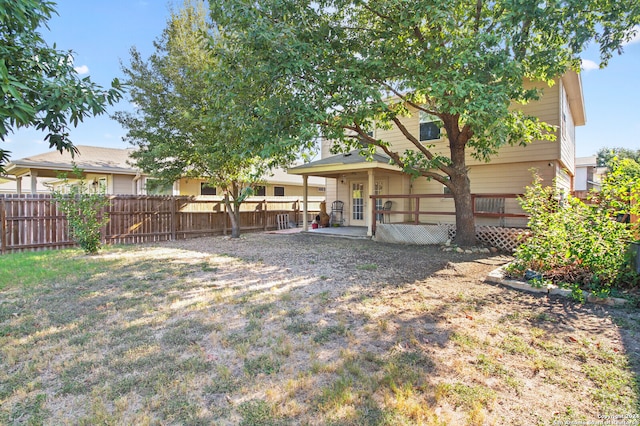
(412,234)
(506,239)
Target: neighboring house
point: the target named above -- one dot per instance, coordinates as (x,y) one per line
(104,168)
(278,184)
(588,174)
(110,170)
(352,180)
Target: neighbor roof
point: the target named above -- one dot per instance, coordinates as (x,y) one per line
(88,158)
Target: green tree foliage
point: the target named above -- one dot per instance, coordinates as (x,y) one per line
(38,84)
(620,190)
(606,155)
(573,243)
(190,122)
(355,65)
(84,210)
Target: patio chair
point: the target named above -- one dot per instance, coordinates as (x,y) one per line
(386,207)
(336,217)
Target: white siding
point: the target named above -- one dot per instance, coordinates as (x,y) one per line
(567,134)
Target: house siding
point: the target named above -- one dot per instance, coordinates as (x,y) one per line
(564,181)
(495,178)
(567,133)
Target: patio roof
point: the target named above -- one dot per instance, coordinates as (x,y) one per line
(350,162)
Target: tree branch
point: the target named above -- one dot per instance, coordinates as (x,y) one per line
(378,14)
(408,101)
(478,15)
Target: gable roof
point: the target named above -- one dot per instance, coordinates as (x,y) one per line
(89,158)
(341,163)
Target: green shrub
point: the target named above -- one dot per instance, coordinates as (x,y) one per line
(83,208)
(573,242)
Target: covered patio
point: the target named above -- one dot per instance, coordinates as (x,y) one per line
(355,180)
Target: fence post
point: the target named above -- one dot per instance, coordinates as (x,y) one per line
(3,219)
(174,218)
(473,205)
(417,218)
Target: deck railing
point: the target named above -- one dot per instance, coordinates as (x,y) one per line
(503,209)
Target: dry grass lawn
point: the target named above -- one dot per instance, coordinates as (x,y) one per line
(301,329)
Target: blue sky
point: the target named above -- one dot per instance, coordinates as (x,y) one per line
(101,32)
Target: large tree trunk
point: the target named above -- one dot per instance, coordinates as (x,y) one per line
(233,209)
(460,184)
(465,222)
(235,223)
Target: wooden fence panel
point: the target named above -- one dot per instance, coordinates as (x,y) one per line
(31,223)
(34,222)
(139,219)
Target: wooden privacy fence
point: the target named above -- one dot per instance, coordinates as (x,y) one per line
(34,222)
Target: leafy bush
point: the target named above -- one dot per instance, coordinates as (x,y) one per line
(573,242)
(83,209)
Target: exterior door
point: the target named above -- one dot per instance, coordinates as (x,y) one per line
(358,205)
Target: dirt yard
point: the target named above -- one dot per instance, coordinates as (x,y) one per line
(305,329)
(532,352)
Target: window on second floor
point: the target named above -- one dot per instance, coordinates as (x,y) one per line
(278,191)
(429,127)
(260,191)
(206,189)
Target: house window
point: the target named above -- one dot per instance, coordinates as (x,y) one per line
(102,185)
(260,191)
(207,189)
(429,127)
(278,191)
(377,190)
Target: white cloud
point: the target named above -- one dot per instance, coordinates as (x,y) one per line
(588,65)
(636,36)
(82,69)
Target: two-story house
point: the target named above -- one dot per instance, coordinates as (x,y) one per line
(352,180)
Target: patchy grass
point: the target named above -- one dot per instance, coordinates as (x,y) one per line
(264,331)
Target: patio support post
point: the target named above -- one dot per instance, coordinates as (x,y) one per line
(305,198)
(34,182)
(19,185)
(369,217)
